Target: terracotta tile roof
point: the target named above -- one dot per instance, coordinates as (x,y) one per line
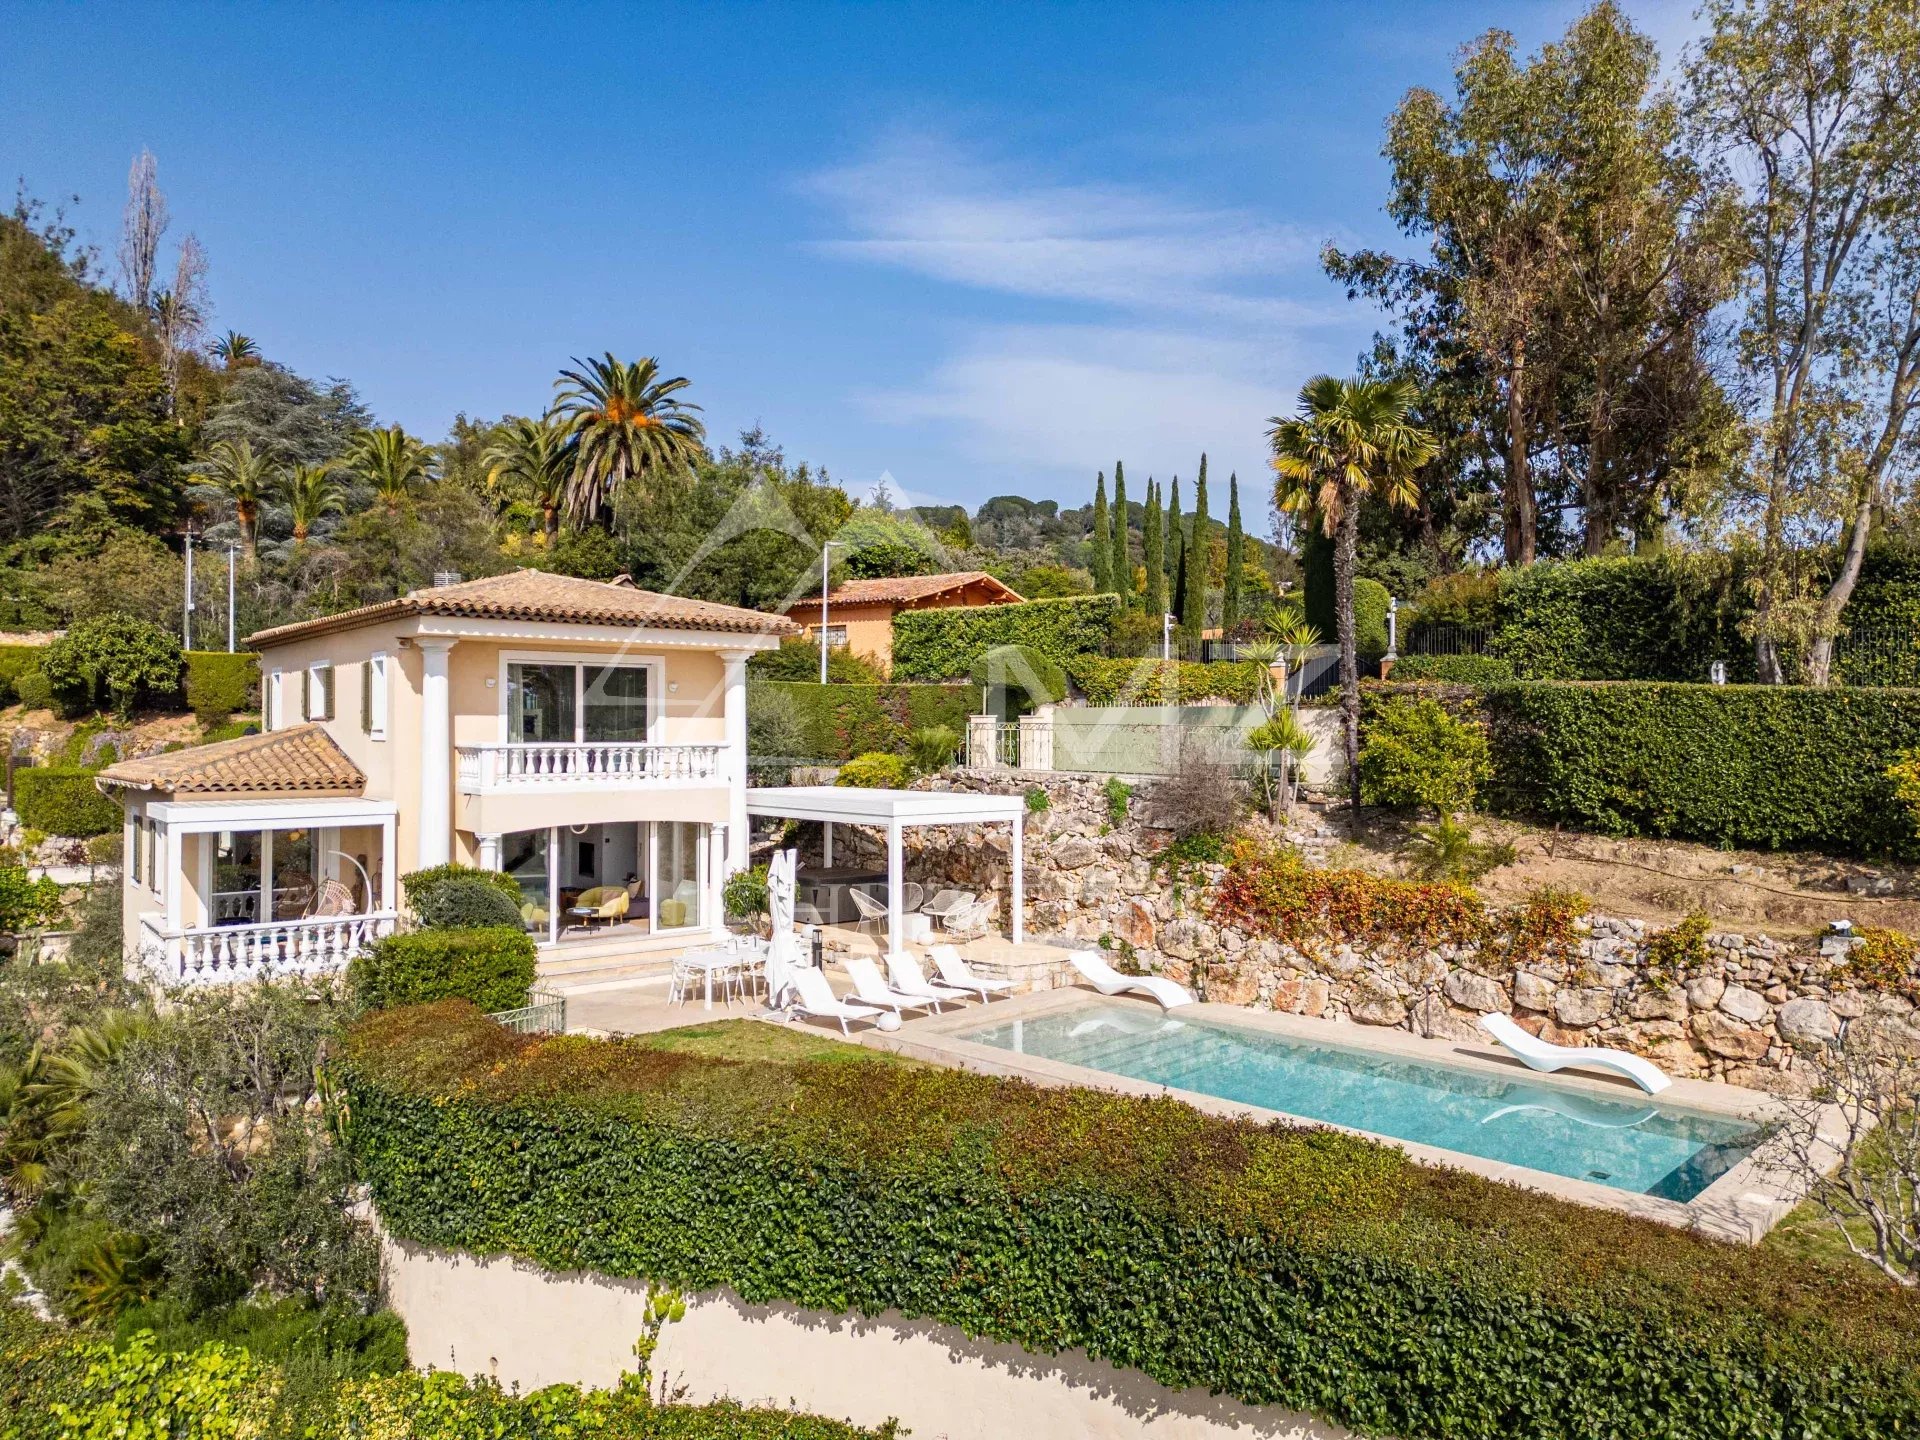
(303,759)
(905,589)
(536,595)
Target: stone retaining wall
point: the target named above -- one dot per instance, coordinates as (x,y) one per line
(1735,1019)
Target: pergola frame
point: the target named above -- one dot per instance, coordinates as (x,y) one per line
(895,811)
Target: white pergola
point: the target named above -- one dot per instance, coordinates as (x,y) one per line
(893,811)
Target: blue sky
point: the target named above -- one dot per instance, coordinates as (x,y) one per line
(981,249)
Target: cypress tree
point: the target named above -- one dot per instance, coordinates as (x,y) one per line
(1236,557)
(1153,553)
(1181,579)
(1101,543)
(1119,567)
(1193,593)
(1176,538)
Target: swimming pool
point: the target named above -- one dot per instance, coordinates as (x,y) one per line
(1640,1146)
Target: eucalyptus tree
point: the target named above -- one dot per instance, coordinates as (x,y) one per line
(246,476)
(393,462)
(625,424)
(533,458)
(1347,440)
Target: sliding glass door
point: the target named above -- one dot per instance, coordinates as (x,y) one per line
(552,703)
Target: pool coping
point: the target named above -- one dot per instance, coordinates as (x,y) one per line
(1741,1206)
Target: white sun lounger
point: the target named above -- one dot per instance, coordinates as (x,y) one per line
(955,971)
(816,998)
(1539,1055)
(904,974)
(870,989)
(1095,970)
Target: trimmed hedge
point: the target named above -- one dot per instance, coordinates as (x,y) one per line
(1457,669)
(1147,682)
(468,904)
(1660,617)
(217,684)
(944,644)
(63,800)
(1763,766)
(843,721)
(15,661)
(1281,1266)
(1019,670)
(492,967)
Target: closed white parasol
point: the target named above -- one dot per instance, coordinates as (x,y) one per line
(783,953)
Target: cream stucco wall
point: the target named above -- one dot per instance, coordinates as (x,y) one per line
(531,1327)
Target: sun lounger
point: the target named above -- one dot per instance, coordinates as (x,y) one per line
(954,971)
(817,999)
(1539,1055)
(870,989)
(904,974)
(1095,970)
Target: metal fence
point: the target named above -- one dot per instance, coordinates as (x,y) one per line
(1447,639)
(545,1013)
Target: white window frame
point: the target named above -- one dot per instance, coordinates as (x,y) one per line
(581,661)
(132,842)
(373,701)
(270,700)
(322,686)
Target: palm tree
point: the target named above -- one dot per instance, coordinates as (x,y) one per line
(1349,439)
(312,493)
(624,422)
(245,476)
(533,456)
(391,461)
(233,349)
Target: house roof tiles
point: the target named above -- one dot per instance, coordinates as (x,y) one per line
(301,759)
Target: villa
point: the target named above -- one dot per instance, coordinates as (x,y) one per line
(586,737)
(860,612)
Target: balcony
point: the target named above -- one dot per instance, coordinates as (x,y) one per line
(537,768)
(213,954)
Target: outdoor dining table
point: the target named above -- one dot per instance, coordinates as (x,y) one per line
(709,958)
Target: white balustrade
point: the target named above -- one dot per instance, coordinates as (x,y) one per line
(218,954)
(534,766)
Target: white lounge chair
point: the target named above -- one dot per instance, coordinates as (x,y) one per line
(816,998)
(955,971)
(904,974)
(1095,970)
(1537,1054)
(870,989)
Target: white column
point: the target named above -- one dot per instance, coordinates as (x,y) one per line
(1019,889)
(716,873)
(172,850)
(826,844)
(553,884)
(389,863)
(894,925)
(489,851)
(436,755)
(735,712)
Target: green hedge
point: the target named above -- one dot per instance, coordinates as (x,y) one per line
(63,800)
(1765,766)
(843,721)
(1458,669)
(15,661)
(217,684)
(491,966)
(1020,674)
(944,644)
(1281,1266)
(1660,617)
(1147,682)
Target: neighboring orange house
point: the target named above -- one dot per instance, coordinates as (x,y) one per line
(860,612)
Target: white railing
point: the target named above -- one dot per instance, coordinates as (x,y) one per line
(485,768)
(218,954)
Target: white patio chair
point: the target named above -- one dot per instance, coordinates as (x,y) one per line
(955,971)
(1093,968)
(816,998)
(945,902)
(870,989)
(872,912)
(973,918)
(1538,1054)
(904,974)
(686,980)
(911,897)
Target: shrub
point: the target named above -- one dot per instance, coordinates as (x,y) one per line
(775,727)
(745,893)
(63,800)
(26,903)
(1158,682)
(493,968)
(1370,602)
(798,658)
(1022,675)
(467,902)
(1466,597)
(32,688)
(1277,1265)
(1446,850)
(874,771)
(419,885)
(1416,754)
(841,721)
(112,660)
(218,684)
(933,748)
(1457,669)
(15,661)
(944,644)
(1038,801)
(1119,797)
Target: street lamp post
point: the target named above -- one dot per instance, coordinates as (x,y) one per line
(230,554)
(824,548)
(186,609)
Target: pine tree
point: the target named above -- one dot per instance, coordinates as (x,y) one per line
(1176,539)
(1153,554)
(1193,593)
(1119,566)
(1101,544)
(1236,557)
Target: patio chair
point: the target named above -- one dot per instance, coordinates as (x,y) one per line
(872,912)
(870,989)
(904,974)
(1095,970)
(911,897)
(816,999)
(335,900)
(974,918)
(1538,1054)
(954,971)
(606,903)
(945,902)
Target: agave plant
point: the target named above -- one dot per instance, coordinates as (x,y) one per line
(392,461)
(624,423)
(246,476)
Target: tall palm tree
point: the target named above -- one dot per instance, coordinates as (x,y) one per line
(624,422)
(536,458)
(391,461)
(246,477)
(312,493)
(1349,439)
(233,349)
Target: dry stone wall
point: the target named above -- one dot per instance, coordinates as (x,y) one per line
(1737,1017)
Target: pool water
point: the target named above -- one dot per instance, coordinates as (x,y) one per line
(1636,1145)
